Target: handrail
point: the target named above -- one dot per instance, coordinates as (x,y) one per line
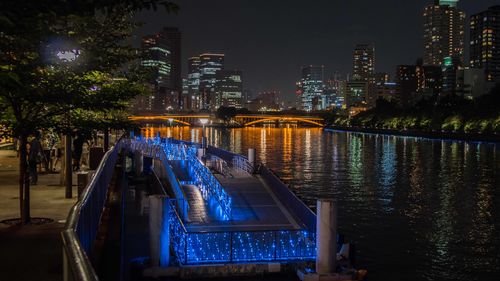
(77,265)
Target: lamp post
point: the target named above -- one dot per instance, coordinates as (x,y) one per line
(203,122)
(68,57)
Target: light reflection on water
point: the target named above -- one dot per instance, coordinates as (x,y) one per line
(417,209)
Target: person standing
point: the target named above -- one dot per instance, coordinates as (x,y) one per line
(34,157)
(77,151)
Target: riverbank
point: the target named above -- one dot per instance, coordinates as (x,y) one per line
(422,134)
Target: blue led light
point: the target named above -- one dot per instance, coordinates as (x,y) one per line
(192,248)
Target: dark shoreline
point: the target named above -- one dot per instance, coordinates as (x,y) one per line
(421,134)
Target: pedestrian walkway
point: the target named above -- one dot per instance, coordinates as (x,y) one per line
(31,252)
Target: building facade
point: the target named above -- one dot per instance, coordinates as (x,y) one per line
(209,65)
(311,87)
(162,53)
(444,32)
(193,82)
(229,89)
(485,42)
(364,63)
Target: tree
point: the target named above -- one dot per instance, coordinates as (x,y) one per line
(60,56)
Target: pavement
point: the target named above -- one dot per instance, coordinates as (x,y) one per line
(31,252)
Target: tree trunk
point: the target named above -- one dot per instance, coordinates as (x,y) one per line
(24,181)
(106,139)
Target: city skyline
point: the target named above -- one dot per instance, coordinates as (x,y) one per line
(266,31)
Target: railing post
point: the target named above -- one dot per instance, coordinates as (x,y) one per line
(157,226)
(251,158)
(326,236)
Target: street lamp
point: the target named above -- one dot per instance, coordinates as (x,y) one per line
(67,56)
(203,122)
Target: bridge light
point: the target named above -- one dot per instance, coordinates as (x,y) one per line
(203,121)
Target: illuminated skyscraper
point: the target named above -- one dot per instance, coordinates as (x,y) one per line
(444,32)
(162,51)
(193,81)
(363,62)
(209,65)
(311,87)
(229,89)
(485,42)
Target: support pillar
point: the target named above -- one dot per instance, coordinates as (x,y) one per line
(68,168)
(200,153)
(138,163)
(159,235)
(106,140)
(251,157)
(204,142)
(326,236)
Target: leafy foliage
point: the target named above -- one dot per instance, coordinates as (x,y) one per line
(449,114)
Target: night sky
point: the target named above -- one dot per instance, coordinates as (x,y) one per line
(270,40)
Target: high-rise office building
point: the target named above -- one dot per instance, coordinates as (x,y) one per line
(418,81)
(444,35)
(193,81)
(209,65)
(311,87)
(229,89)
(334,93)
(485,42)
(162,51)
(356,94)
(363,62)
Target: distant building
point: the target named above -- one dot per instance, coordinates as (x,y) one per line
(415,82)
(162,52)
(363,63)
(472,83)
(265,101)
(228,89)
(485,42)
(209,65)
(193,81)
(311,87)
(444,34)
(185,97)
(334,93)
(247,96)
(387,91)
(356,94)
(382,77)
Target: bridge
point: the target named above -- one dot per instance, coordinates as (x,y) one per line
(182,119)
(253,119)
(242,119)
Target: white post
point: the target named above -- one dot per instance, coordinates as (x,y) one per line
(251,157)
(200,153)
(326,236)
(159,239)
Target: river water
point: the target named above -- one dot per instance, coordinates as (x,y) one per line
(417,209)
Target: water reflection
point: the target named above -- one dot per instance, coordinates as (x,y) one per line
(417,209)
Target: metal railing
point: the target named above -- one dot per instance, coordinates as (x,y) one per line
(238,161)
(170,149)
(192,248)
(83,220)
(289,199)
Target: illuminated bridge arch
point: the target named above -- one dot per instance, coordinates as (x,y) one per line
(249,120)
(186,120)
